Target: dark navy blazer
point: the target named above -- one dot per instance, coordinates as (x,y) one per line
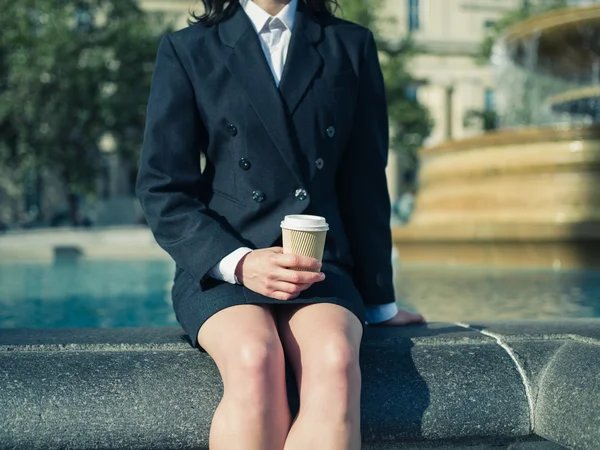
(318,144)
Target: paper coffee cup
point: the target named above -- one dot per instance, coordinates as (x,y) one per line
(304,235)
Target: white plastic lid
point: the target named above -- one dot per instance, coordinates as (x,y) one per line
(303,222)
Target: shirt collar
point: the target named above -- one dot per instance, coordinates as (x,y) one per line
(259,16)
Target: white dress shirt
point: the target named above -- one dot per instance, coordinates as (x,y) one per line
(275,33)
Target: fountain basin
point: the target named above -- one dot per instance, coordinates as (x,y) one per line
(584,101)
(509,198)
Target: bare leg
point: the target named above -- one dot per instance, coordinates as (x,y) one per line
(254,412)
(322,342)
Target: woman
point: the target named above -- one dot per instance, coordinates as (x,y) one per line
(287,104)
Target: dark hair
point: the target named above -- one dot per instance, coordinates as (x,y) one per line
(217,10)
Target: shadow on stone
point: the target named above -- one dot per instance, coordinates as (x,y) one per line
(390,378)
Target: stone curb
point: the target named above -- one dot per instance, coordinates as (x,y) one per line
(513,385)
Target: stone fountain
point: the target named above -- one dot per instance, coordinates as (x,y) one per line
(527,195)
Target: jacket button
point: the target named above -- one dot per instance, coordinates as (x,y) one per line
(245,164)
(330,131)
(319,163)
(232,130)
(258,196)
(300,194)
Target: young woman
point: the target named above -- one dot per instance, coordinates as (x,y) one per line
(287,104)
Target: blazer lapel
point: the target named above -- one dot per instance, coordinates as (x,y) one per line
(303,61)
(248,65)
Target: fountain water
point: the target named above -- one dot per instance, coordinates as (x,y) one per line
(526,195)
(548,70)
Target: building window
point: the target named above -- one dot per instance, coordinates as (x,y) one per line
(414,22)
(449,111)
(489,24)
(411,92)
(489,101)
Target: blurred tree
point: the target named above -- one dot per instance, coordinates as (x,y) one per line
(487,119)
(71,73)
(410,121)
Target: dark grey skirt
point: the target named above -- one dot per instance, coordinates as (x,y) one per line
(193,307)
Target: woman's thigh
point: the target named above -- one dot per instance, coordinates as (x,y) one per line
(322,338)
(242,337)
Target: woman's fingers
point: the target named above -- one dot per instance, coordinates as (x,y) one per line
(296,261)
(270,272)
(289,288)
(297,277)
(283,296)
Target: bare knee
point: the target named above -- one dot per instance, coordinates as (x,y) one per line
(331,379)
(337,359)
(258,356)
(253,367)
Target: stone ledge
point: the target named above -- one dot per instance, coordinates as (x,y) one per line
(434,386)
(585,330)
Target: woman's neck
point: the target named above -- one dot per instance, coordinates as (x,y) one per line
(272,6)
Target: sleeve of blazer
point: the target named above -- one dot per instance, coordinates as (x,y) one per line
(169,179)
(362,186)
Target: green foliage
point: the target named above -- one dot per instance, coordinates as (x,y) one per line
(409,120)
(72,71)
(487,119)
(359,11)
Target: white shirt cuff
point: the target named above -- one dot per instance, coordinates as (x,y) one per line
(225,269)
(380,313)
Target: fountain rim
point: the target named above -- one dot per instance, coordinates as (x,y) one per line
(550,21)
(576,95)
(500,138)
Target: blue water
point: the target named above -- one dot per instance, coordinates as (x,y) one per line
(86,294)
(126,293)
(454,294)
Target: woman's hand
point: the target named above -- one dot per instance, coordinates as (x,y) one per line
(267,272)
(403,318)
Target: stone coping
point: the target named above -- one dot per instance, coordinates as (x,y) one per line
(497,233)
(556,21)
(514,137)
(567,101)
(514,385)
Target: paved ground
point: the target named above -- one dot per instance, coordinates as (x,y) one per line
(97,243)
